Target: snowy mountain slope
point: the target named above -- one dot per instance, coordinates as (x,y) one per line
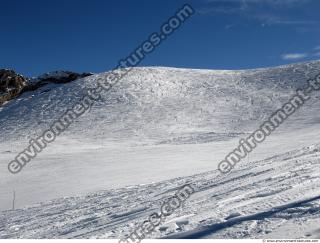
(159,127)
(157,103)
(272,198)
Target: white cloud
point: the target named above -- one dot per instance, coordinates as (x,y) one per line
(271,2)
(272,19)
(294,56)
(317,54)
(267,12)
(247,3)
(280,2)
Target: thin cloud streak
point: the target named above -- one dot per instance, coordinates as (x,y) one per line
(267,12)
(293,56)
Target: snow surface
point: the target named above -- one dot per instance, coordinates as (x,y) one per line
(155,130)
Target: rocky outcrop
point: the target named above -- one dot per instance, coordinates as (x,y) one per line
(57,77)
(11,84)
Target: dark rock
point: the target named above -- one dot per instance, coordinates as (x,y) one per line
(58,77)
(11,85)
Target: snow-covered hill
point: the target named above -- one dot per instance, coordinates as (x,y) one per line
(160,103)
(152,132)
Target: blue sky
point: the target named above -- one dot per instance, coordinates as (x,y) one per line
(39,36)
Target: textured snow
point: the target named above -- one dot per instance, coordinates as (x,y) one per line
(258,200)
(154,131)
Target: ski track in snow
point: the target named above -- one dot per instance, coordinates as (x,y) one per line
(252,201)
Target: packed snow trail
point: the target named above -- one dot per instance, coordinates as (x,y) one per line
(252,201)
